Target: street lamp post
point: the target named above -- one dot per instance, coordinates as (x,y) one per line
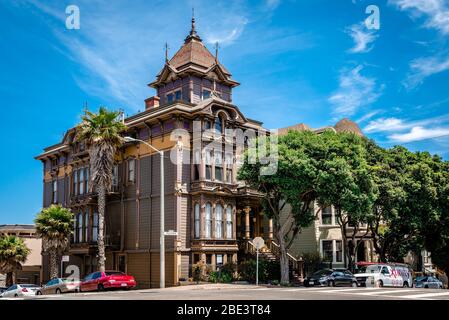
(162,213)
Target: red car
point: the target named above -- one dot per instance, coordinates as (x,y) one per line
(99,281)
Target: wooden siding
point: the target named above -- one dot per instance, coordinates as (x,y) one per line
(139,266)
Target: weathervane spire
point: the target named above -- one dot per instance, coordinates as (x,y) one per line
(166,52)
(193,21)
(216,51)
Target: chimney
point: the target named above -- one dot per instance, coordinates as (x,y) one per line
(152,102)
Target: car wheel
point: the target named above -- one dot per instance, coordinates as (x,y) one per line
(354,284)
(100,287)
(380,283)
(58,291)
(426,287)
(331,284)
(405,285)
(16,295)
(38,293)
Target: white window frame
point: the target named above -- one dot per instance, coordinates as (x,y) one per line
(197,220)
(218,221)
(229,223)
(334,250)
(208,220)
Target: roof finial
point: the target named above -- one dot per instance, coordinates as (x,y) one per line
(166,52)
(193,21)
(216,51)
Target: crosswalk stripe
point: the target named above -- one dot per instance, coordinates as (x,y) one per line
(427,295)
(373,293)
(344,290)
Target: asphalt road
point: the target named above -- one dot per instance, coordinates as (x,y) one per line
(249,292)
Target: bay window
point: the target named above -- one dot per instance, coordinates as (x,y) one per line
(208,165)
(80,227)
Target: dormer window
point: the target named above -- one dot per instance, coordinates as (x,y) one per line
(170,97)
(206,94)
(219,124)
(178,95)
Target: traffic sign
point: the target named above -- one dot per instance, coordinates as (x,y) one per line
(258,243)
(170,233)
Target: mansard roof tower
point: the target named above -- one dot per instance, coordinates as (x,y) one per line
(193,74)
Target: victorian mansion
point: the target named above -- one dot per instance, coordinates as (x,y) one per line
(213,214)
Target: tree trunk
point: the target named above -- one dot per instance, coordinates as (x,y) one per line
(285,270)
(101,212)
(53,263)
(9,281)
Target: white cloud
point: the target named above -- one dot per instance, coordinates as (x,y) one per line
(419,133)
(436,12)
(225,36)
(385,124)
(362,38)
(422,68)
(355,91)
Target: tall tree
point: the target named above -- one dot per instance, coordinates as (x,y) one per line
(54,225)
(13,252)
(102,133)
(344,182)
(289,193)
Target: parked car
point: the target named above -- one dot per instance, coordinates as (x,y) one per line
(99,281)
(428,282)
(20,290)
(332,278)
(58,286)
(386,274)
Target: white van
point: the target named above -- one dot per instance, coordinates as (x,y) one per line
(385,275)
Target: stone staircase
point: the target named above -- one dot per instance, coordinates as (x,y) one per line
(271,252)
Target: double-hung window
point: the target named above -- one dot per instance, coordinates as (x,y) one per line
(218,166)
(197,220)
(81,181)
(229,163)
(206,94)
(75,182)
(115,175)
(131,170)
(55,191)
(218,221)
(208,228)
(80,227)
(338,251)
(326,216)
(208,165)
(328,252)
(95,226)
(86,224)
(229,222)
(178,95)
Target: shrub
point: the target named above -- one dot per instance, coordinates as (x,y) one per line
(268,270)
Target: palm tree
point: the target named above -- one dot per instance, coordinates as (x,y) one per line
(54,225)
(13,252)
(101,131)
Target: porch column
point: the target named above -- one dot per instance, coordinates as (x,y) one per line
(239,223)
(247,210)
(270,229)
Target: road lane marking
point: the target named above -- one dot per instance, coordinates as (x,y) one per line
(427,295)
(345,290)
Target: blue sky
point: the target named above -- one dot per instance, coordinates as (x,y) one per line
(298,61)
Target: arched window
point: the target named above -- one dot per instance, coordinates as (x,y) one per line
(80,227)
(95,226)
(219,124)
(218,221)
(208,228)
(229,222)
(197,220)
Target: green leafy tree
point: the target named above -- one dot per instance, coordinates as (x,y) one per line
(13,252)
(344,182)
(54,225)
(289,193)
(102,133)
